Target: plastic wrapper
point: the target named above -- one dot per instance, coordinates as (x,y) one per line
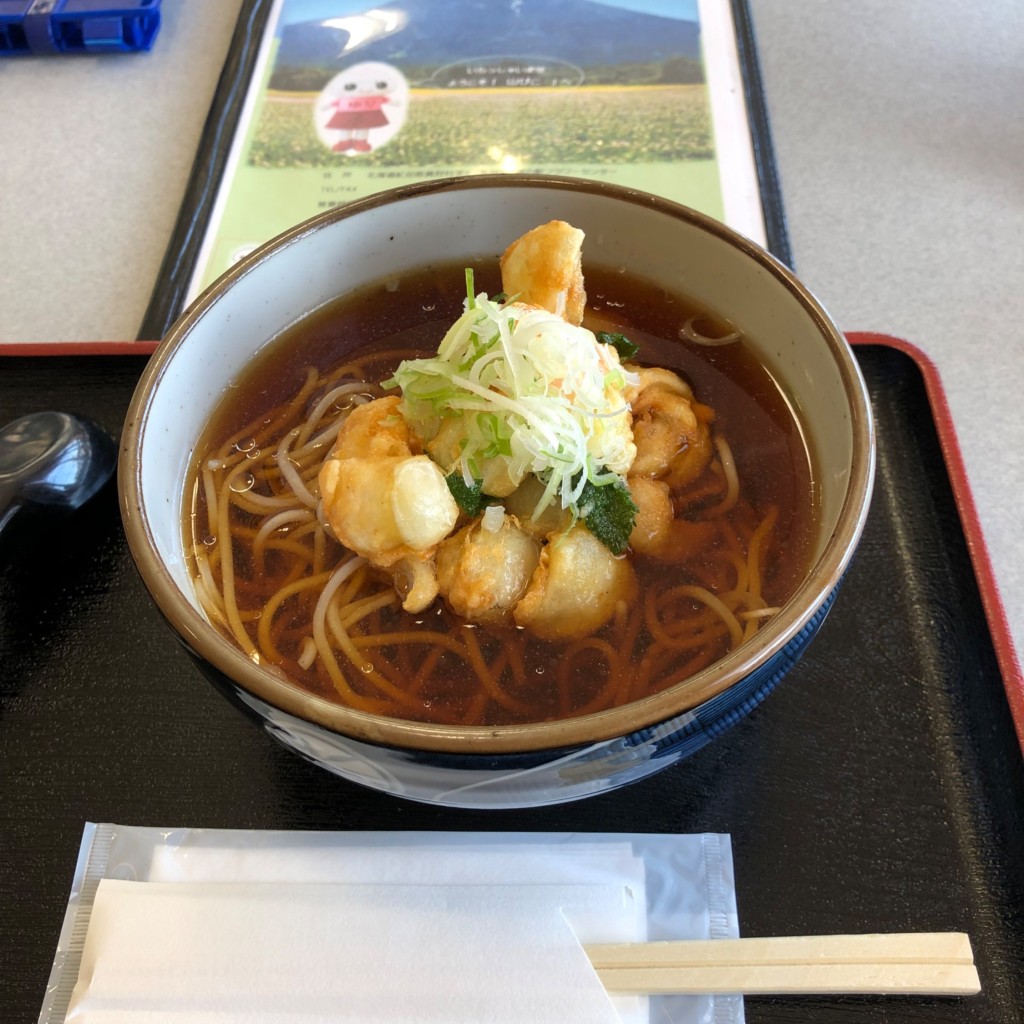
(683,884)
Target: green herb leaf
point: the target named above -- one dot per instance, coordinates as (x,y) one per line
(469,499)
(626,348)
(609,512)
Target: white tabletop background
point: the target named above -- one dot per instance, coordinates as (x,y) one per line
(899,137)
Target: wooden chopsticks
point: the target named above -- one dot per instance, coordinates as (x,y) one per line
(927,963)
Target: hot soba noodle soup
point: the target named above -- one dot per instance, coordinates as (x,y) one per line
(474,499)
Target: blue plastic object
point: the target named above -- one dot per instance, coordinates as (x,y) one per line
(77,26)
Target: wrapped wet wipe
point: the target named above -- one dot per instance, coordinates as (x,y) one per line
(274,927)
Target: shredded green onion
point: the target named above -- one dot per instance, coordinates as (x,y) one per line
(531,390)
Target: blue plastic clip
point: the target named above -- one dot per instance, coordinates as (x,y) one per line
(77,26)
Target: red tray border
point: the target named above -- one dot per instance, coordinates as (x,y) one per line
(77,348)
(995,613)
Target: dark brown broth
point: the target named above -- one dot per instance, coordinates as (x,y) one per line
(415,311)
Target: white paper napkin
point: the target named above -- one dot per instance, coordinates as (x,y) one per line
(217,953)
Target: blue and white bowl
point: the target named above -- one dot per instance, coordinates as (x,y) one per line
(391,232)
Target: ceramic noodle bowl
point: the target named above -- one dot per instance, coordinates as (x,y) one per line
(394,234)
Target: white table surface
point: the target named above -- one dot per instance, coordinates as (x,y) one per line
(899,139)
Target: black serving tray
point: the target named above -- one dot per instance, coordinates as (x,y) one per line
(879,789)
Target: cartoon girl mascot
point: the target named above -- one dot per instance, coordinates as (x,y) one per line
(352,105)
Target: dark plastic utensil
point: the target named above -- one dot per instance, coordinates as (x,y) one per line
(51,463)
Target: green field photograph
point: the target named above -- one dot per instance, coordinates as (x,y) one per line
(505,129)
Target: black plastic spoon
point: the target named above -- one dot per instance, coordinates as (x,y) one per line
(51,463)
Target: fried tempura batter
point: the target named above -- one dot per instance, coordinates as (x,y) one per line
(545,267)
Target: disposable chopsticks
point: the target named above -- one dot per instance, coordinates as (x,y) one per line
(928,963)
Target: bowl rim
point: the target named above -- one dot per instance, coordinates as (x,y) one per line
(271,686)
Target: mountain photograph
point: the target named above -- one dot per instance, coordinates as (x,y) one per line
(594,37)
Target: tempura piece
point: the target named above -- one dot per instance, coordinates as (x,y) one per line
(670,429)
(386,509)
(385,502)
(655,515)
(375,430)
(575,588)
(544,267)
(483,572)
